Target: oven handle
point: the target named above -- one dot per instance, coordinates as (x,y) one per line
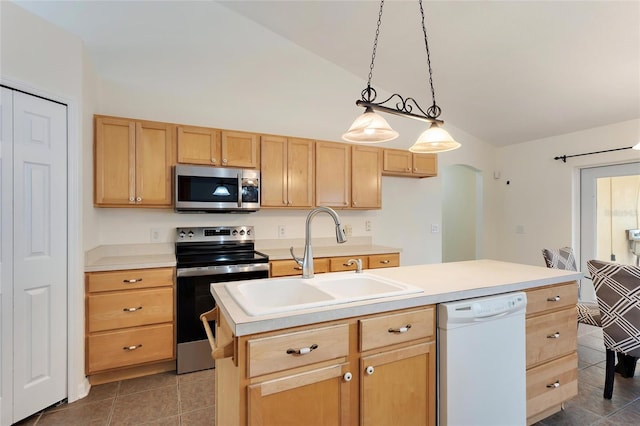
(220,270)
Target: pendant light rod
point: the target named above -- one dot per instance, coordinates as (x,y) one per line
(399,111)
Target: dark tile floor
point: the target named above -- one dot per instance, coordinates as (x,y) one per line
(167,399)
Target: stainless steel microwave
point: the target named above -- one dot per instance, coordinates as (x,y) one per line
(216,189)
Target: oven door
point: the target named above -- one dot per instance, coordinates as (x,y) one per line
(193,299)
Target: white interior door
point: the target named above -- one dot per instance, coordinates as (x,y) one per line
(38,275)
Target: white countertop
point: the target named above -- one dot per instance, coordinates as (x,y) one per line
(441,282)
(129,256)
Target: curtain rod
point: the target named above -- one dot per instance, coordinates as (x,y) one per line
(564,157)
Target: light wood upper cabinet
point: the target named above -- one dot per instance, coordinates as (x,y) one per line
(286,169)
(203,145)
(132,162)
(366,177)
(199,145)
(333,174)
(398,162)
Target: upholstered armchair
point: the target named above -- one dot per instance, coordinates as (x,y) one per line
(618,292)
(563,258)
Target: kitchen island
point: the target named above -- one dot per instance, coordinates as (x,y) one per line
(342,363)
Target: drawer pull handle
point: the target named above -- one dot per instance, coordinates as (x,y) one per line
(132,348)
(400,329)
(302,351)
(132,309)
(555,335)
(553,299)
(135,280)
(298,268)
(554,385)
(384,262)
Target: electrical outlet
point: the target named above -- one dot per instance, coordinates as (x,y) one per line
(367,225)
(348,230)
(282,231)
(435,228)
(155,235)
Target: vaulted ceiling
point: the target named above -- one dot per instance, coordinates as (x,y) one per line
(504,71)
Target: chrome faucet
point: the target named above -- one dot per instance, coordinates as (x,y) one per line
(307,261)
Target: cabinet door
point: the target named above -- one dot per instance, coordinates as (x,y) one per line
(398,387)
(239,149)
(198,145)
(366,177)
(273,171)
(333,174)
(114,161)
(317,397)
(154,158)
(397,161)
(425,164)
(300,179)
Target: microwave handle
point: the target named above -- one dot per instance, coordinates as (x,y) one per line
(239,189)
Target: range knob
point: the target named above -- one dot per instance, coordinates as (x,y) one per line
(234,232)
(190,234)
(242,232)
(181,234)
(248,231)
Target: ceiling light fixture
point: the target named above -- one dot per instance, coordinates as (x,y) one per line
(372,128)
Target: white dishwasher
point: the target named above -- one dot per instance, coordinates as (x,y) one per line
(482,361)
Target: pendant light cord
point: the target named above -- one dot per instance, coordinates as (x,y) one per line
(370,92)
(434,110)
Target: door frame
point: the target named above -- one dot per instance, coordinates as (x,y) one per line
(77,384)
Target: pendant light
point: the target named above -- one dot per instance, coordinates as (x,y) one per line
(372,128)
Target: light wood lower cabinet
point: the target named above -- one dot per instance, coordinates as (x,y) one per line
(355,371)
(286,267)
(129,322)
(552,359)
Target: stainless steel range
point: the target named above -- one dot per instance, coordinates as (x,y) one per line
(207,255)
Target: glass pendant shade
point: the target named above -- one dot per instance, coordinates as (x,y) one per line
(434,139)
(370,128)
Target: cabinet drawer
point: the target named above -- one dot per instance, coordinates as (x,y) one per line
(107,311)
(552,335)
(269,354)
(552,298)
(284,268)
(542,392)
(115,349)
(396,328)
(129,279)
(384,260)
(341,263)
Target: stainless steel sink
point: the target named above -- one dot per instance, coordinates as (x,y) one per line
(269,296)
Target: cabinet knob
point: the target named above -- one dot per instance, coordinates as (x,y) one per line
(408,169)
(224,161)
(214,161)
(369,370)
(347,377)
(139,199)
(415,169)
(355,203)
(131,199)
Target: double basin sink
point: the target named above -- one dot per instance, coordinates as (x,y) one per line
(276,295)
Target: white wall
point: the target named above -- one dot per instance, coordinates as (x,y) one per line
(539,205)
(267,84)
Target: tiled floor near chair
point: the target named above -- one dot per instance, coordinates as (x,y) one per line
(167,399)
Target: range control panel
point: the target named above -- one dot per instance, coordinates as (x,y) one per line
(215,233)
